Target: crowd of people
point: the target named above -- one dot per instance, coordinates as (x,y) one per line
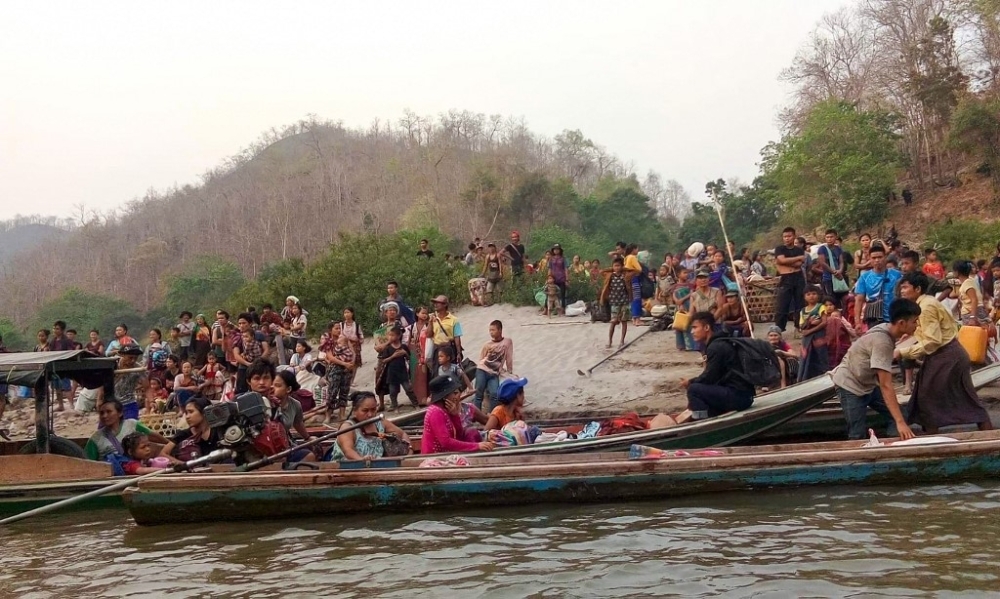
(417,351)
(854,314)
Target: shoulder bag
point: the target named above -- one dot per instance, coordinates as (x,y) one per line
(839,284)
(873,309)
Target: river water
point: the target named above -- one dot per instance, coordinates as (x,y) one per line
(934,541)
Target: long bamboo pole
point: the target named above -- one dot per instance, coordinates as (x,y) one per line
(732,262)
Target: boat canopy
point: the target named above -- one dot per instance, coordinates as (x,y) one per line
(27,368)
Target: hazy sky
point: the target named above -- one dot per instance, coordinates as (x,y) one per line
(100,101)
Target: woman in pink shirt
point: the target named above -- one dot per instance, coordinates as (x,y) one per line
(443,430)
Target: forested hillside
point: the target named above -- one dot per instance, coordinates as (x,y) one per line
(292,192)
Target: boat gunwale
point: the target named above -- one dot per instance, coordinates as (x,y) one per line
(623,465)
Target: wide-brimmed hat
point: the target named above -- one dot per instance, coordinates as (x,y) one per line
(294,299)
(442,386)
(441,299)
(732,293)
(508,389)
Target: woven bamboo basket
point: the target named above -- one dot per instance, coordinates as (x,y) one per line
(164,424)
(762,299)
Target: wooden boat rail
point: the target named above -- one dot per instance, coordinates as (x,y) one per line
(734,460)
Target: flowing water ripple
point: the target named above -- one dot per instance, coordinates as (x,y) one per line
(938,541)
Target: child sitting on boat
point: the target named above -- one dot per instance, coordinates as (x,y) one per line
(510,397)
(787,360)
(141,457)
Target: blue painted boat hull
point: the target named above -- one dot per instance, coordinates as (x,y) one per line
(613,478)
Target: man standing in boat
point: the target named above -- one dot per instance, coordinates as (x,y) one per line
(864,376)
(720,388)
(943,394)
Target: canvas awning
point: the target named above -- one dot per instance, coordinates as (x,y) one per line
(26,368)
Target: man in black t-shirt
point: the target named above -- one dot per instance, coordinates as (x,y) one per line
(425,249)
(792,286)
(515,252)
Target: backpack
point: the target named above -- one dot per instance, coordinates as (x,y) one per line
(159,358)
(758,364)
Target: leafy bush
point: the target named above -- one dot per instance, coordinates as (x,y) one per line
(13,339)
(203,286)
(84,311)
(843,160)
(573,243)
(354,273)
(964,238)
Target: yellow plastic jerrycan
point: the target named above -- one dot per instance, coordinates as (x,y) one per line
(973,339)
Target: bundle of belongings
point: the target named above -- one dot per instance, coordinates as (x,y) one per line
(513,434)
(632,422)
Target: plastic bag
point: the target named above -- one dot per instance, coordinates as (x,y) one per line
(577,308)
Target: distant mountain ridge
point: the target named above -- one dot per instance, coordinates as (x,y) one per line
(24,238)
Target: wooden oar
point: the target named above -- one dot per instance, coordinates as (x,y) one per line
(612,354)
(218,454)
(268,460)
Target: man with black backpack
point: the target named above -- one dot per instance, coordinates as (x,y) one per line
(722,387)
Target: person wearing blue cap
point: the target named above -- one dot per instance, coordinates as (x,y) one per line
(510,400)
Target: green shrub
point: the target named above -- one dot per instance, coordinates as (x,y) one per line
(354,273)
(964,239)
(203,286)
(13,339)
(572,242)
(85,311)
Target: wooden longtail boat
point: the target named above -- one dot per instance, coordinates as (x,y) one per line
(604,477)
(22,492)
(769,410)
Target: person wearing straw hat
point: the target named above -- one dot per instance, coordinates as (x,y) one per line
(443,429)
